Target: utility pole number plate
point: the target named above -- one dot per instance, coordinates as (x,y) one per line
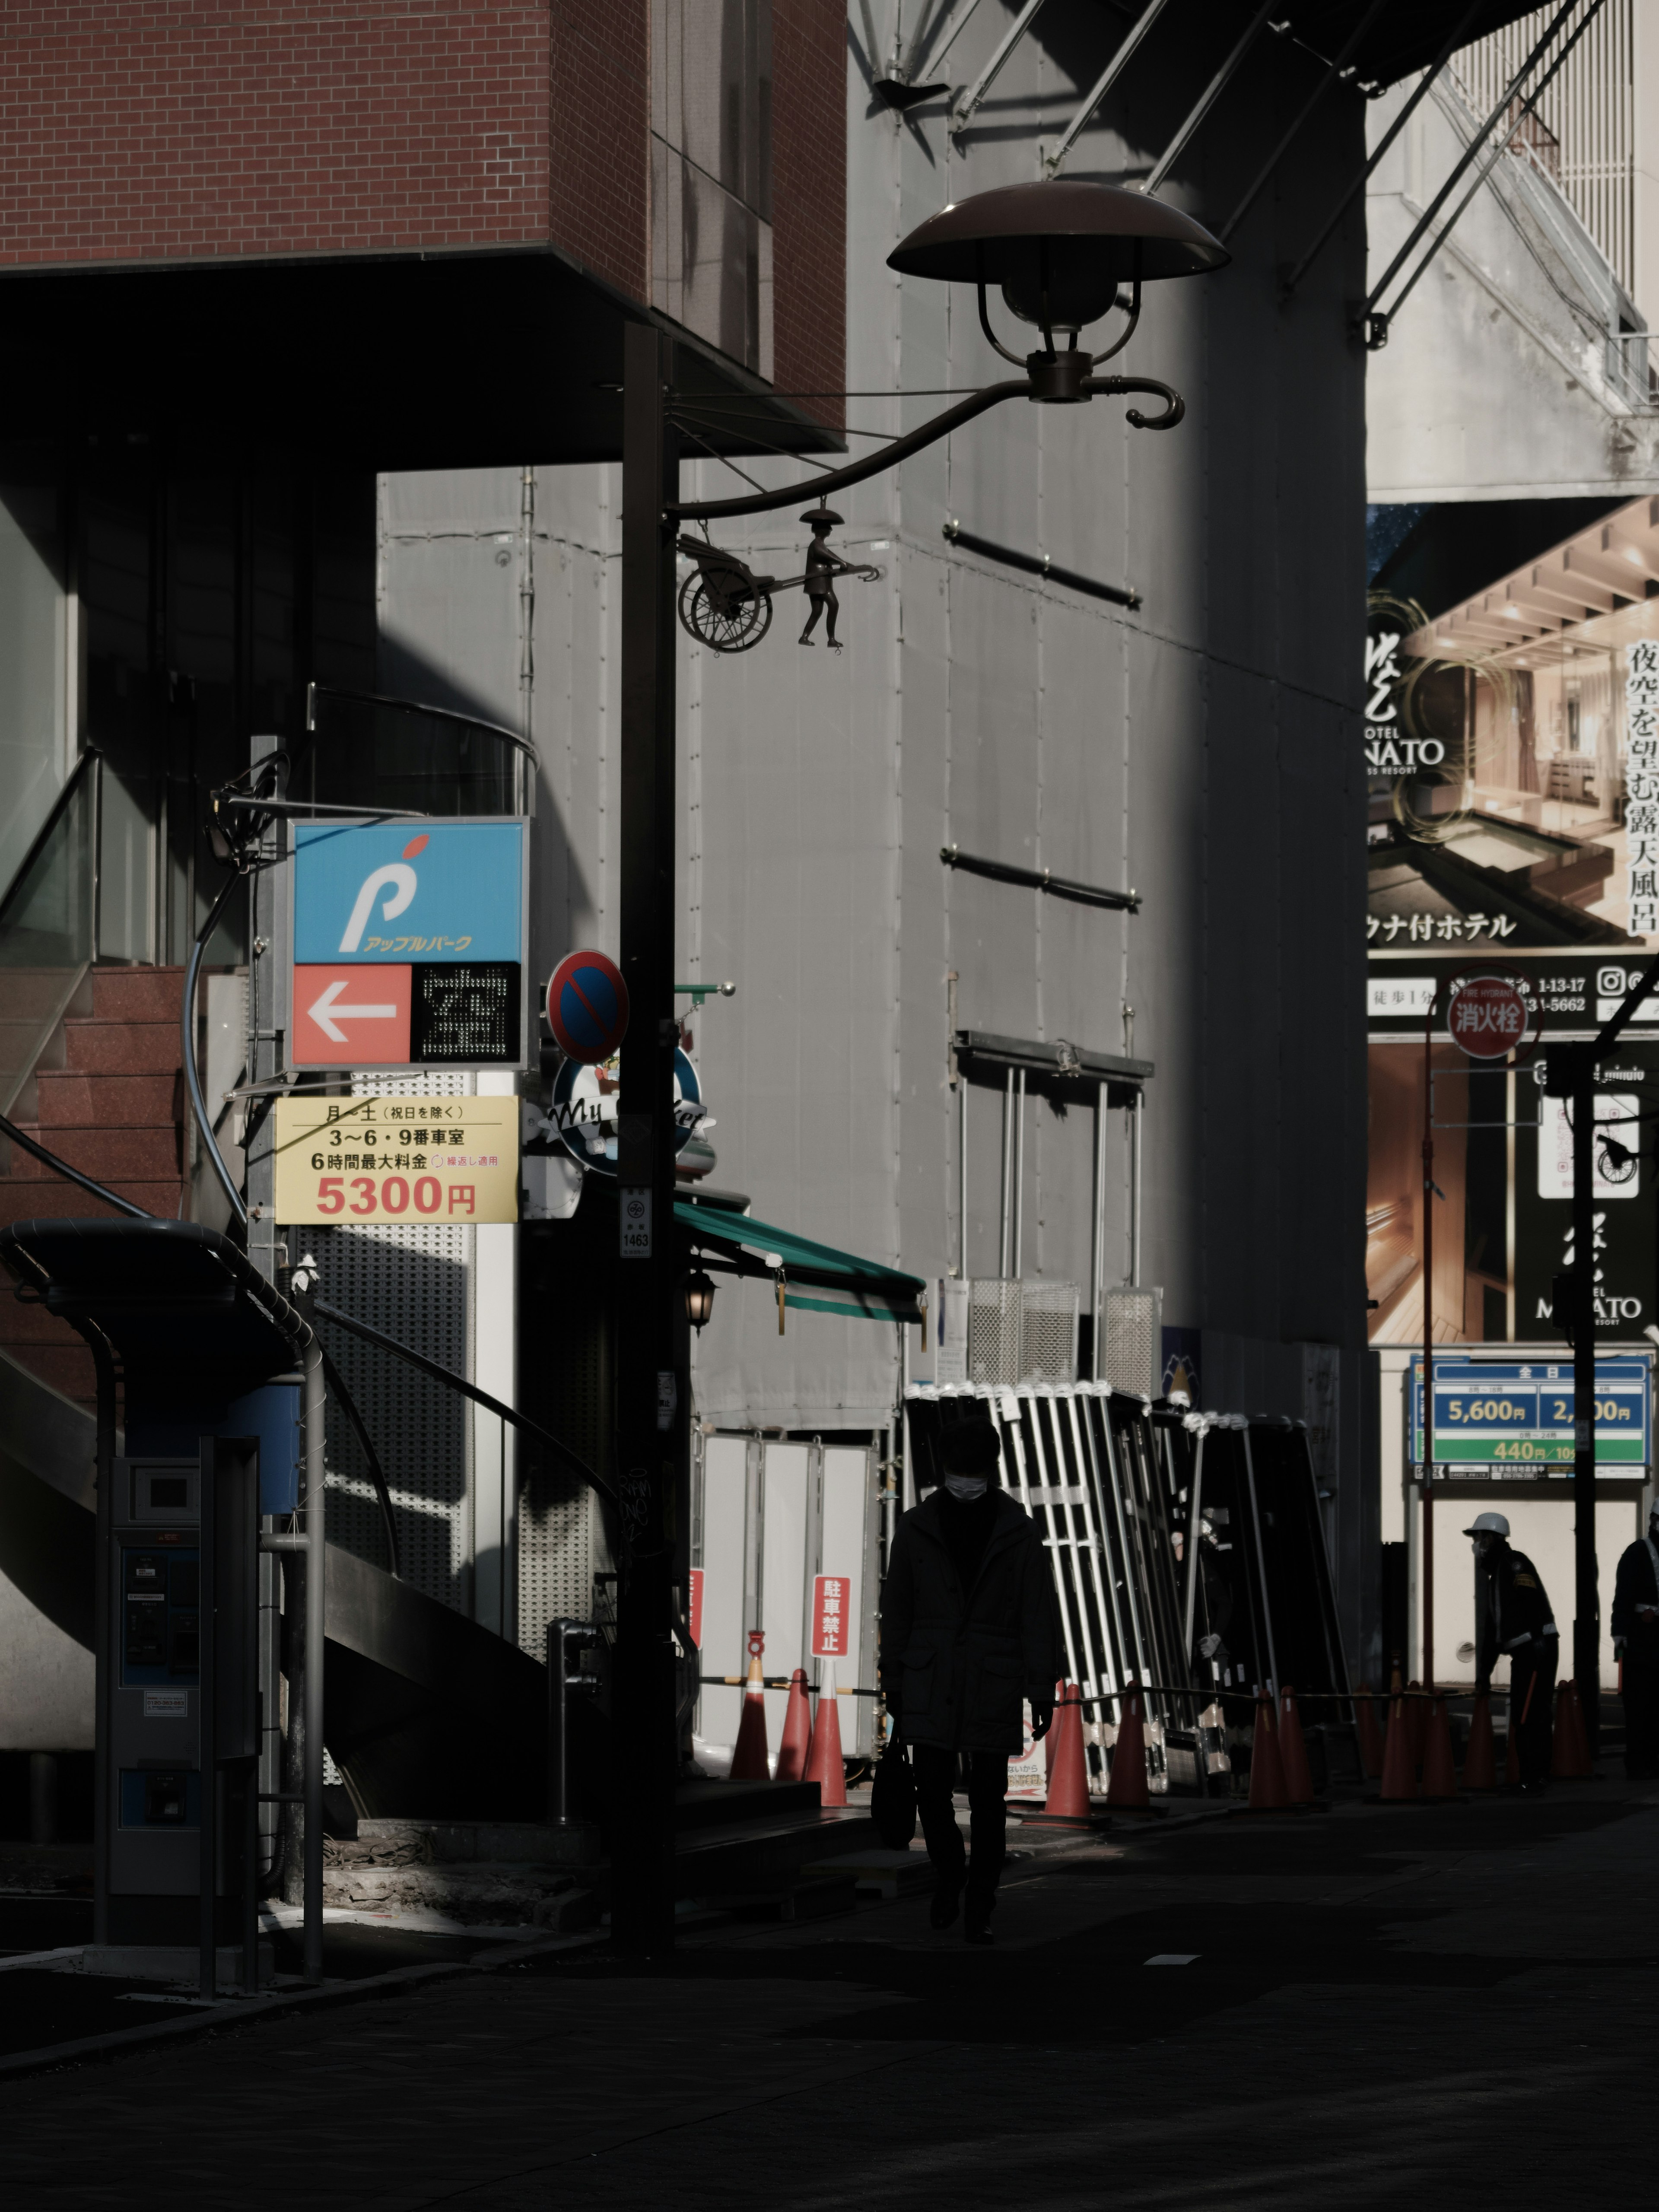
(635,1216)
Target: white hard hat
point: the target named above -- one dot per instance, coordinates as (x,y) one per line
(1488,1524)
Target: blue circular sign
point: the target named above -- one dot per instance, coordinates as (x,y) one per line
(586,1101)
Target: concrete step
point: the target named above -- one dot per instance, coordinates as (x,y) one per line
(137,995)
(121,1047)
(109,1154)
(50,1198)
(67,1367)
(68,1101)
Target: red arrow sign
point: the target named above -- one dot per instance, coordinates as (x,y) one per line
(351,1016)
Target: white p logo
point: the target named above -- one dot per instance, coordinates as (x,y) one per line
(397,881)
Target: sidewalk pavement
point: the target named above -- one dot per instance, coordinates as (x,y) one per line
(1379,2006)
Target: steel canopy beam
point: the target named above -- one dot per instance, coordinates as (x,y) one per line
(1333,70)
(1054,160)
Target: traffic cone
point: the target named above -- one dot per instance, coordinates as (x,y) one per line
(1569,1751)
(749,1753)
(1417,1721)
(1050,1740)
(1370,1737)
(1127,1790)
(1268,1791)
(1439,1767)
(797,1730)
(1067,1805)
(824,1764)
(1399,1767)
(1293,1750)
(1481,1760)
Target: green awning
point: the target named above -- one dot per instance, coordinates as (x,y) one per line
(814,1276)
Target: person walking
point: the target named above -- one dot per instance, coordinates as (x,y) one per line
(968,1632)
(1636,1640)
(1512,1614)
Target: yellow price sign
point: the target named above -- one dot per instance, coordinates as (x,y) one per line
(406,1160)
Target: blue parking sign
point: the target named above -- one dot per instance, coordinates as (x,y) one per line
(396,892)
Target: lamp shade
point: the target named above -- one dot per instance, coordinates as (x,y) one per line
(1089,238)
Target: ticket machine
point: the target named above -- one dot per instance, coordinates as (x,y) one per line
(180,1692)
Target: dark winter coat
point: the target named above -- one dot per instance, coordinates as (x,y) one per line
(956,1664)
(1512,1608)
(1637,1584)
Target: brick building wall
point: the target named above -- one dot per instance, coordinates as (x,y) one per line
(175,130)
(600,184)
(809,199)
(139,129)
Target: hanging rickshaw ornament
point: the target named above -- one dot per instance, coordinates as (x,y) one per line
(725,605)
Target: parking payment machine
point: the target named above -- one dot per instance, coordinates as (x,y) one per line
(180,1696)
(205,1366)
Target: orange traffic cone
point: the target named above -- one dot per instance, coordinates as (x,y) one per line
(1370,1737)
(1399,1767)
(1439,1767)
(797,1730)
(1050,1740)
(1293,1750)
(824,1764)
(1127,1790)
(1268,1791)
(1417,1722)
(1481,1760)
(1067,1805)
(749,1753)
(1570,1752)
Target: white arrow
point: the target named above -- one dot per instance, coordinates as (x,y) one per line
(327,1014)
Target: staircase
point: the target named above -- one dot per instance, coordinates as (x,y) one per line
(107,1096)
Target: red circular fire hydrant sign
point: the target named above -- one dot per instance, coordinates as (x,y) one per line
(1488,1018)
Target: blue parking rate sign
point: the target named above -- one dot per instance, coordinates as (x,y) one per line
(408,891)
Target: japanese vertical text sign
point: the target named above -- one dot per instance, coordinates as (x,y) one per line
(396,1159)
(1642,784)
(830,1624)
(409,944)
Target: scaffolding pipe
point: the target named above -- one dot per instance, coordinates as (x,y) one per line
(1212,92)
(1054,161)
(963,114)
(1430,78)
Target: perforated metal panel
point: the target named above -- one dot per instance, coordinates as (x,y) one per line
(414,1283)
(1048,1332)
(993,1345)
(561,1548)
(1132,1341)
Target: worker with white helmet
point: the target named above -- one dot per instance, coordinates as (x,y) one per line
(1513,1618)
(1636,1640)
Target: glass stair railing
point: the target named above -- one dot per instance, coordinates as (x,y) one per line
(49,926)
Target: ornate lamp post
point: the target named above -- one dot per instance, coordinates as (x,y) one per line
(1064,255)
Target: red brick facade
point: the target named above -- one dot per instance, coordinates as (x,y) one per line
(139,129)
(809,199)
(211,129)
(599,193)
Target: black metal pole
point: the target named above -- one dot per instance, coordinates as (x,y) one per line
(1586,1607)
(652,1394)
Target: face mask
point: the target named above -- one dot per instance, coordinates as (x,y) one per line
(967,1487)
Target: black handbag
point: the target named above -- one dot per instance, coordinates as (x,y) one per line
(893,1796)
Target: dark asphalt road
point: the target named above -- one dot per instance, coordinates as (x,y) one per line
(1386,2008)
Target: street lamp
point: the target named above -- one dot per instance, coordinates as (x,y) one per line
(1060,253)
(699,1299)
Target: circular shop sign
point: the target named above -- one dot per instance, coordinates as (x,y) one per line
(586,1102)
(588,1006)
(1488,1018)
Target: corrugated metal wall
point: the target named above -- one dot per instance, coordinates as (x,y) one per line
(1204,750)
